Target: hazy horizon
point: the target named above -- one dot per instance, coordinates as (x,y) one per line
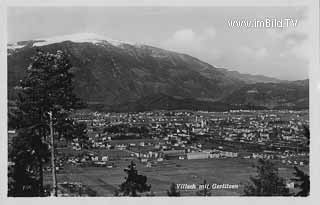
(200,32)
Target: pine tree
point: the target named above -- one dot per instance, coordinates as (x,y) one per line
(267,182)
(302,178)
(306,133)
(47,88)
(173,190)
(303,182)
(134,182)
(24,179)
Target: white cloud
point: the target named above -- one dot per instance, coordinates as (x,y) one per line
(198,43)
(271,51)
(184,36)
(295,39)
(261,52)
(208,33)
(252,53)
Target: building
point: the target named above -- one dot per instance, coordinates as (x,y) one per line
(228,154)
(174,154)
(198,155)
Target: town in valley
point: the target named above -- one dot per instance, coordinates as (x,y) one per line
(179,146)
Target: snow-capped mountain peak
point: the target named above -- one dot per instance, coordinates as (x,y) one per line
(78,38)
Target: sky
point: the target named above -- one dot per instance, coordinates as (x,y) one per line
(202,32)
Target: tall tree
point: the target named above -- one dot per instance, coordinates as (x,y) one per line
(47,88)
(24,179)
(303,182)
(306,133)
(173,190)
(267,182)
(301,178)
(134,182)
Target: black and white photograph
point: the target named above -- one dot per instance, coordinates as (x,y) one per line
(160,101)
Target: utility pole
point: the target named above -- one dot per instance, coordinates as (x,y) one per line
(53,165)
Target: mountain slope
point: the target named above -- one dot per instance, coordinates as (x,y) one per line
(116,75)
(250,79)
(290,95)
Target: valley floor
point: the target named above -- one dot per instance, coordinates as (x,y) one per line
(104,181)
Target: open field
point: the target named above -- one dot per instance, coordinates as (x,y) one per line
(220,171)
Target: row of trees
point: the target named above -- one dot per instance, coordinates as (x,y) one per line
(269,183)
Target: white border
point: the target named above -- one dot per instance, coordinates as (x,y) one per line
(313,6)
(158,2)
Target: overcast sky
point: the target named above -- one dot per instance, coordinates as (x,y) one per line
(200,32)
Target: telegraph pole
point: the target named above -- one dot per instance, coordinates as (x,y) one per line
(54,177)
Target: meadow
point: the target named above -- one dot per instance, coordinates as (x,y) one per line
(220,171)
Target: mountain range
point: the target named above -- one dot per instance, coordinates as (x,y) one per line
(112,75)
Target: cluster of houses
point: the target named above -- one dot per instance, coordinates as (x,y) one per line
(181,154)
(289,162)
(170,134)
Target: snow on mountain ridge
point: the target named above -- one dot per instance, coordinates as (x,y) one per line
(15,46)
(78,38)
(89,38)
